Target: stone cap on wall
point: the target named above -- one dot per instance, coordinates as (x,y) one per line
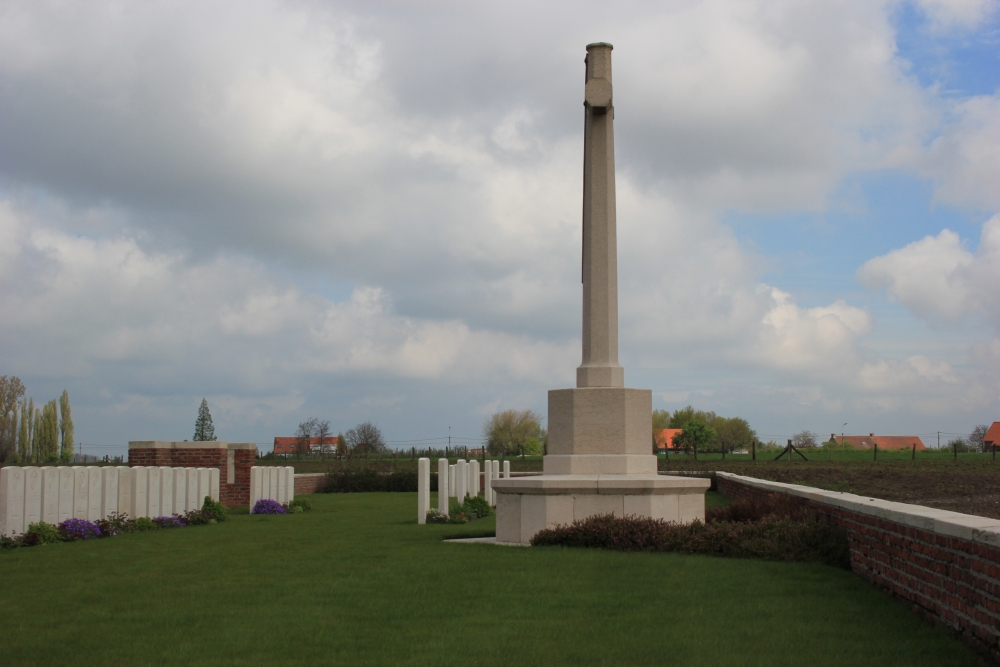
(943,522)
(197,444)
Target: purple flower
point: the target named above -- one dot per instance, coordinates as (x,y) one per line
(268,506)
(78,529)
(169,522)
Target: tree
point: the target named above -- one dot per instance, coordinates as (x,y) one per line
(804,439)
(661,420)
(696,435)
(323,432)
(976,438)
(341,446)
(507,432)
(48,434)
(11,391)
(304,434)
(365,438)
(23,434)
(204,430)
(65,428)
(735,433)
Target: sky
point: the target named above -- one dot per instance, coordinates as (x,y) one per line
(371,211)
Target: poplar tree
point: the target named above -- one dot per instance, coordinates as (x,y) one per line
(65,427)
(50,425)
(23,443)
(11,391)
(31,426)
(203,428)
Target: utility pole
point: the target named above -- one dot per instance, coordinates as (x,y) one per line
(939,440)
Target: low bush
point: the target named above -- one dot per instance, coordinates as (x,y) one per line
(477,505)
(46,533)
(212,509)
(773,529)
(301,502)
(268,506)
(366,480)
(144,523)
(116,524)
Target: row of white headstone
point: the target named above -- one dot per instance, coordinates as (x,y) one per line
(272,482)
(458,480)
(54,494)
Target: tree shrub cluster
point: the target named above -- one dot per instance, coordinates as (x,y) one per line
(30,434)
(116,524)
(704,431)
(775,529)
(473,508)
(515,432)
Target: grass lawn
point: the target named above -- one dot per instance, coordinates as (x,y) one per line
(357,582)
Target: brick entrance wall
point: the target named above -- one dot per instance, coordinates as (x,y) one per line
(945,565)
(233,460)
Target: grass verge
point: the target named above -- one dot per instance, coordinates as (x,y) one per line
(357,582)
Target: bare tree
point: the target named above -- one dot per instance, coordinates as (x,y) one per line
(322,432)
(976,438)
(304,434)
(804,439)
(365,438)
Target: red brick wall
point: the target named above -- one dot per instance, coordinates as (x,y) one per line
(237,493)
(309,483)
(949,580)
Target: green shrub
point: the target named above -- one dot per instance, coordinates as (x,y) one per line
(367,480)
(46,532)
(144,523)
(214,510)
(478,506)
(301,502)
(433,516)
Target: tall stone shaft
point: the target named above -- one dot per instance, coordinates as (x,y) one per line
(600,366)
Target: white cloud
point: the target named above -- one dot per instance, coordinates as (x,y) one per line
(957,14)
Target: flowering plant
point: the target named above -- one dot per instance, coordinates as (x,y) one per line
(78,529)
(268,506)
(169,522)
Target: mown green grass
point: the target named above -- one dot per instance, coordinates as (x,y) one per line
(357,582)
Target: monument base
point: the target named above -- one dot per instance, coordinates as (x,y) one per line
(527,505)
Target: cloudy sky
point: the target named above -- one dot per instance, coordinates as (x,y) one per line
(372,211)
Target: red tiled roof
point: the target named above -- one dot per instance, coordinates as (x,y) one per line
(992,436)
(665,437)
(884,441)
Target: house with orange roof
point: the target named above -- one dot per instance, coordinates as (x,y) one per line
(886,442)
(665,439)
(284,445)
(992,437)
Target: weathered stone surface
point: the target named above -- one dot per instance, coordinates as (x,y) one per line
(153,492)
(11,500)
(81,491)
(474,477)
(496,475)
(125,491)
(423,489)
(280,494)
(215,477)
(204,485)
(166,491)
(109,491)
(50,494)
(443,489)
(67,478)
(94,495)
(140,491)
(32,495)
(461,479)
(180,491)
(488,481)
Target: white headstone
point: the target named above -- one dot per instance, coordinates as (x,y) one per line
(204,485)
(153,493)
(290,484)
(254,485)
(451,480)
(506,469)
(496,475)
(214,477)
(50,495)
(488,482)
(11,500)
(474,477)
(32,496)
(166,491)
(81,491)
(461,480)
(109,491)
(66,493)
(272,483)
(193,501)
(282,481)
(443,469)
(180,491)
(140,491)
(423,489)
(94,493)
(125,491)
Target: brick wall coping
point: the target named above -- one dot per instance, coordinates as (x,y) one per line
(943,522)
(205,444)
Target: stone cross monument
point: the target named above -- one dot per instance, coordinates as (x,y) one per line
(600,458)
